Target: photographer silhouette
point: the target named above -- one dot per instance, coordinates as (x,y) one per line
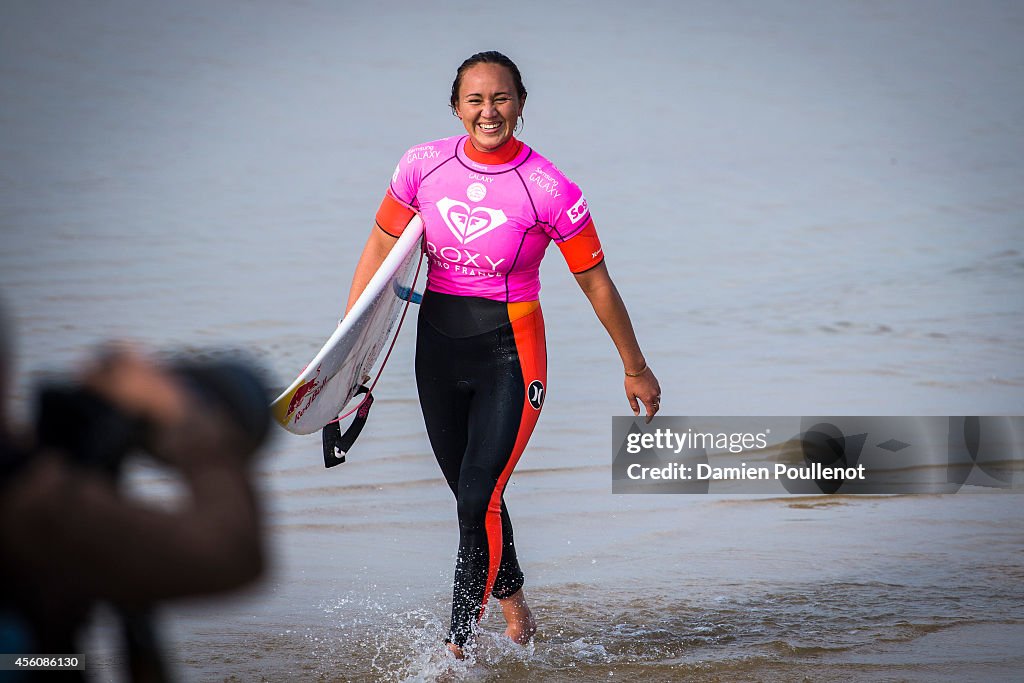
(68,538)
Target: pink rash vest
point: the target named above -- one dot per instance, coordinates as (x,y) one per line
(489,217)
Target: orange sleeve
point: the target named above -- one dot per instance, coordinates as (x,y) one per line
(583,250)
(393,216)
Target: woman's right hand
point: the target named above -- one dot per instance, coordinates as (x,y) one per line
(377,248)
(645,389)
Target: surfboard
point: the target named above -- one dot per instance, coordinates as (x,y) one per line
(334,376)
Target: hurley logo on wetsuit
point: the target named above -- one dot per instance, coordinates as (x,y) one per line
(535,394)
(469,223)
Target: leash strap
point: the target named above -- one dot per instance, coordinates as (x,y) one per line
(336,444)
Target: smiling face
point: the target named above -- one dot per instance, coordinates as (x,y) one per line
(488,105)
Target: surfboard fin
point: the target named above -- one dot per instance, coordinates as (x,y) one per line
(336,444)
(407,293)
(332,437)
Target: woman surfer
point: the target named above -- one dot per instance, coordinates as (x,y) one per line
(490,205)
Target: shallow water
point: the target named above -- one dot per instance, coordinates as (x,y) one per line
(809,209)
(722,589)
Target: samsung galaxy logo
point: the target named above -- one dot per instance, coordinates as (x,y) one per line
(545,182)
(420,153)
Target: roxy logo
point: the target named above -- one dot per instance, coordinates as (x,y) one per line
(535,394)
(468,224)
(463,260)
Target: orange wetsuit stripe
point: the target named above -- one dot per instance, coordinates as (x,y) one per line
(521,309)
(529,337)
(582,251)
(393,216)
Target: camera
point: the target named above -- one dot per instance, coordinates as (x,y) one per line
(95,434)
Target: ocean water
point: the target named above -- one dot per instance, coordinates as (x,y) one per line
(808,208)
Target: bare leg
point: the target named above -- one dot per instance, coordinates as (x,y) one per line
(521,625)
(456,650)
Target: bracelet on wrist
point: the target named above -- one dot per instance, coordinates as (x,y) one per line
(638,372)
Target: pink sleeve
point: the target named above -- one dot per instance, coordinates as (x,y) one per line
(415,165)
(405,182)
(564,212)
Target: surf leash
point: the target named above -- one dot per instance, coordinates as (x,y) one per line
(337,445)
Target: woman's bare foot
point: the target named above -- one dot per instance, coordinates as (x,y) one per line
(456,650)
(521,625)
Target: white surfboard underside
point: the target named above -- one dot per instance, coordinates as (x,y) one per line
(331,379)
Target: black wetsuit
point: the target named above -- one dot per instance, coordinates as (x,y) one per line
(481,372)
